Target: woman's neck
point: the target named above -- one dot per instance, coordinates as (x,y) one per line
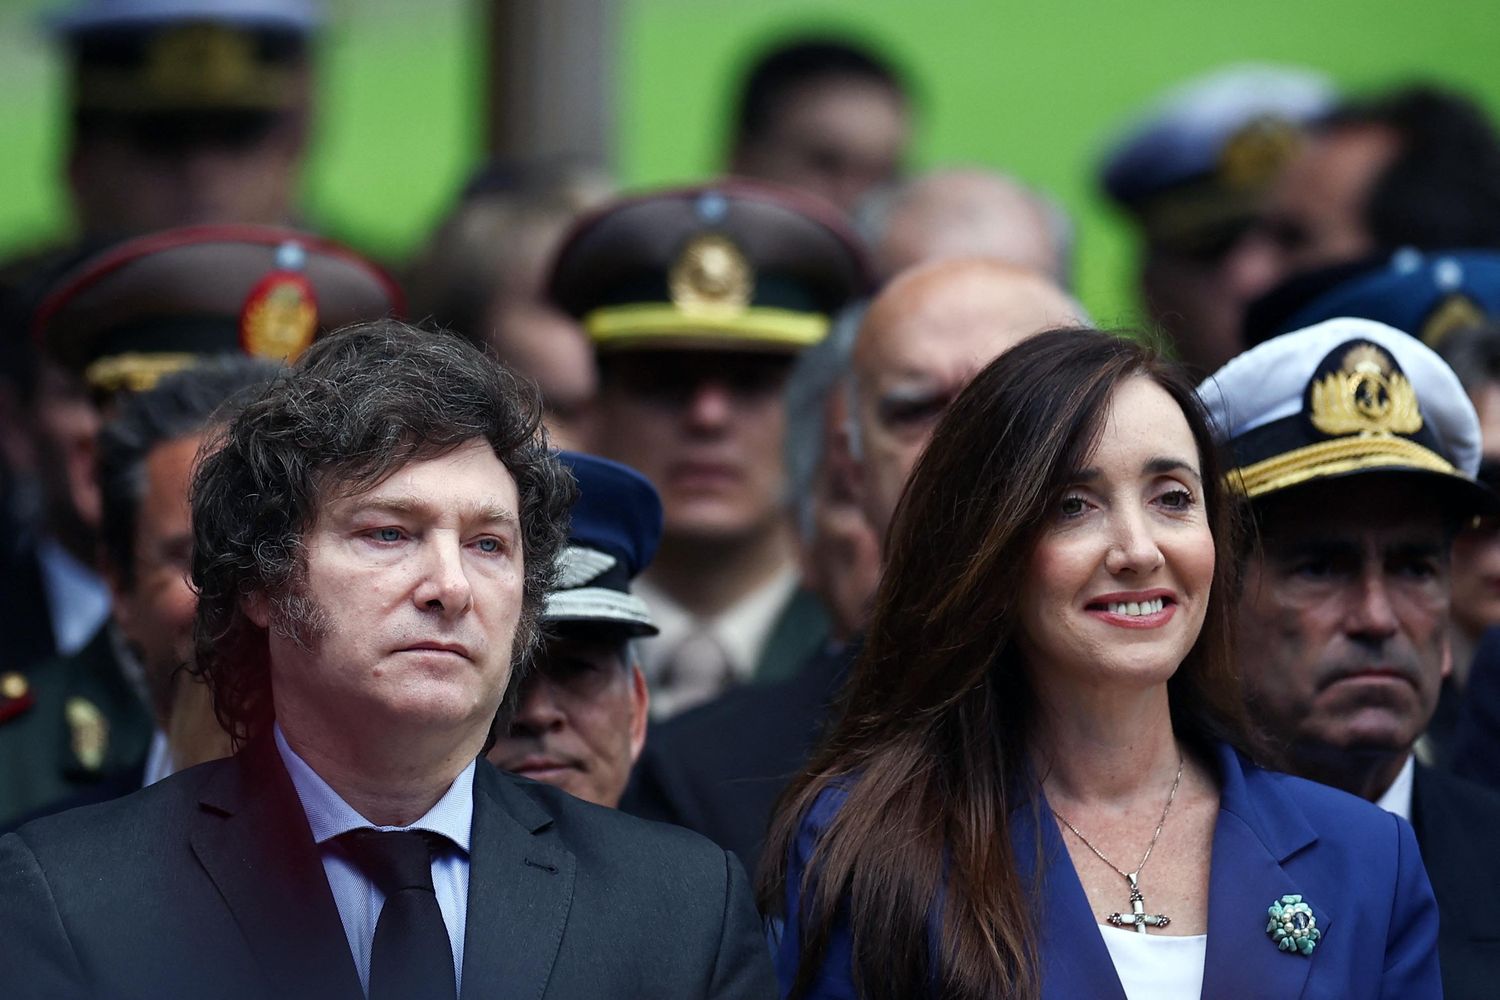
(1101,747)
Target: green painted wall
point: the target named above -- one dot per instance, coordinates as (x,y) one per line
(1031,88)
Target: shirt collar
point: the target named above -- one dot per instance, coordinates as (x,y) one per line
(741,629)
(1397,798)
(328,815)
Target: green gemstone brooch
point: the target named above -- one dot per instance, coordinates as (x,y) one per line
(1292,925)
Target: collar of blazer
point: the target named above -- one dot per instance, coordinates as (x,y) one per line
(1260,827)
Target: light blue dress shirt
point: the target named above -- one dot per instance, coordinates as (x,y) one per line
(356,897)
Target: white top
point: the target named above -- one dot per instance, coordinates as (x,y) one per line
(1397,798)
(1155,966)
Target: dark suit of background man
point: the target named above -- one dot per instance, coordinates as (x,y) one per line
(373,540)
(1355,448)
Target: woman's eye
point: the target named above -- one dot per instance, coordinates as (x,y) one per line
(1177,499)
(1071,506)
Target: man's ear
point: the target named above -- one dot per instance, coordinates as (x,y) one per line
(640,705)
(257,609)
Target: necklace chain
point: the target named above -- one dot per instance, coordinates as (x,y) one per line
(1130,877)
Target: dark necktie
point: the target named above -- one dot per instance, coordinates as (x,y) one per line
(410,957)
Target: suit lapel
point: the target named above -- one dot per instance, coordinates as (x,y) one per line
(1075,961)
(251,836)
(520,892)
(1253,839)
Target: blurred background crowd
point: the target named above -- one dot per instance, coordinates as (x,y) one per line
(194,177)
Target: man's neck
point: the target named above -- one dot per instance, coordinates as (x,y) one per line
(390,783)
(1365,775)
(706,577)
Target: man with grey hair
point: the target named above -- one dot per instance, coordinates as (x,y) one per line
(967,212)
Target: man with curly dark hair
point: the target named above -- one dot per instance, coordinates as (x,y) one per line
(373,540)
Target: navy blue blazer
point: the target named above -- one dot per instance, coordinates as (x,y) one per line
(1356,865)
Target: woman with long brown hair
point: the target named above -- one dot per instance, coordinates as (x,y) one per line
(1037,785)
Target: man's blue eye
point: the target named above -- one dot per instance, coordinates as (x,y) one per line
(489,545)
(388,534)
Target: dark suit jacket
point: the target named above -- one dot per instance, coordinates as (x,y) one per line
(1354,864)
(719,768)
(1476,738)
(208,884)
(1458,828)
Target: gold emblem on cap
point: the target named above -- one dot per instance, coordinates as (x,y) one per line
(1252,156)
(280,318)
(13,685)
(200,63)
(711,275)
(1456,312)
(1366,396)
(89,731)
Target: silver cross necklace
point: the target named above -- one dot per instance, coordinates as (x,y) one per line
(1137,917)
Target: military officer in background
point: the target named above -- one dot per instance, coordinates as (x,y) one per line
(697,300)
(580,717)
(1191,174)
(115,325)
(1354,448)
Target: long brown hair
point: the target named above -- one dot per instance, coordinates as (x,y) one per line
(930,743)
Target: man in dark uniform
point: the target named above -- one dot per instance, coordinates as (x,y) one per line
(116,324)
(696,301)
(1355,449)
(580,718)
(1191,174)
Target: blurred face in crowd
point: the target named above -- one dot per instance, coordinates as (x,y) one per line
(146,175)
(64,425)
(967,213)
(549,346)
(1189,297)
(1343,614)
(1315,214)
(155,609)
(1119,582)
(923,339)
(1476,549)
(705,427)
(581,720)
(409,607)
(838,137)
(532,335)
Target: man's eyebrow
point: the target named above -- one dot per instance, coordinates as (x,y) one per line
(489,513)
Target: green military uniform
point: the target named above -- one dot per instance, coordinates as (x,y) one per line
(66,725)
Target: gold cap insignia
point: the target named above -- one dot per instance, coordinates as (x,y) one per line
(1456,312)
(1366,396)
(199,63)
(1252,156)
(13,685)
(89,731)
(280,317)
(711,275)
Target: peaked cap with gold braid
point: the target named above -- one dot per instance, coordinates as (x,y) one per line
(729,266)
(1343,398)
(152,305)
